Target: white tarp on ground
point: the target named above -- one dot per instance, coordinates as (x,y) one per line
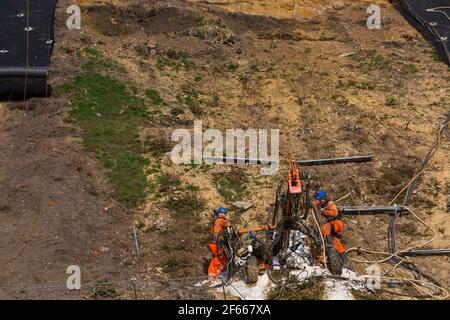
(302,270)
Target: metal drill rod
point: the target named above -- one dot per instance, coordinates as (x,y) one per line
(372,210)
(319,162)
(426,252)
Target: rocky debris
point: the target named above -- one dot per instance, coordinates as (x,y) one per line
(153,223)
(339,5)
(280,34)
(128,261)
(212,33)
(448,203)
(242,205)
(349,54)
(148,49)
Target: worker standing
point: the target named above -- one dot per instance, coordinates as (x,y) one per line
(333,227)
(219,260)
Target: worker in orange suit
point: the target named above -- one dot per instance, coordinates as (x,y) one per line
(333,227)
(219,260)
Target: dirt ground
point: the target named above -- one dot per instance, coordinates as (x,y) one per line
(54,201)
(314,71)
(55,207)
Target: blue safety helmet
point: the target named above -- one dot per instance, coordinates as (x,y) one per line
(221,210)
(320,195)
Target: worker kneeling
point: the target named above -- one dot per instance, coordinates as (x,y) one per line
(219,260)
(333,227)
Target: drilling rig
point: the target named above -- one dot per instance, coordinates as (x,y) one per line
(257,249)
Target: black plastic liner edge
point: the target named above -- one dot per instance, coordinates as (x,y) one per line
(404,9)
(21,82)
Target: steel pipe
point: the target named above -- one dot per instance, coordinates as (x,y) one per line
(372,210)
(320,162)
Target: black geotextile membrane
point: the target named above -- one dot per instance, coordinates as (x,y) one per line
(432,19)
(26,45)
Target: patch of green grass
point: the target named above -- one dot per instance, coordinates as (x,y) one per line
(232,67)
(181,64)
(231,188)
(163,63)
(313,289)
(110,114)
(199,21)
(244,79)
(95,61)
(153,168)
(185,205)
(168,182)
(391,101)
(365,85)
(89,51)
(155,97)
(410,67)
(270,69)
(176,263)
(192,101)
(187,64)
(64,88)
(204,167)
(435,56)
(378,61)
(370,60)
(192,188)
(340,100)
(215,102)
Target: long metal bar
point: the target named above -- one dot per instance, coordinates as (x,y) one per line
(320,162)
(392,242)
(22,71)
(371,210)
(136,241)
(444,127)
(426,252)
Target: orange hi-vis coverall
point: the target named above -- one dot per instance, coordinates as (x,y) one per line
(334,226)
(219,260)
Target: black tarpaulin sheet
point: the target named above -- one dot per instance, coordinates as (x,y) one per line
(432,19)
(26,45)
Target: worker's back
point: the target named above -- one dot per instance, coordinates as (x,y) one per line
(218,226)
(331,210)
